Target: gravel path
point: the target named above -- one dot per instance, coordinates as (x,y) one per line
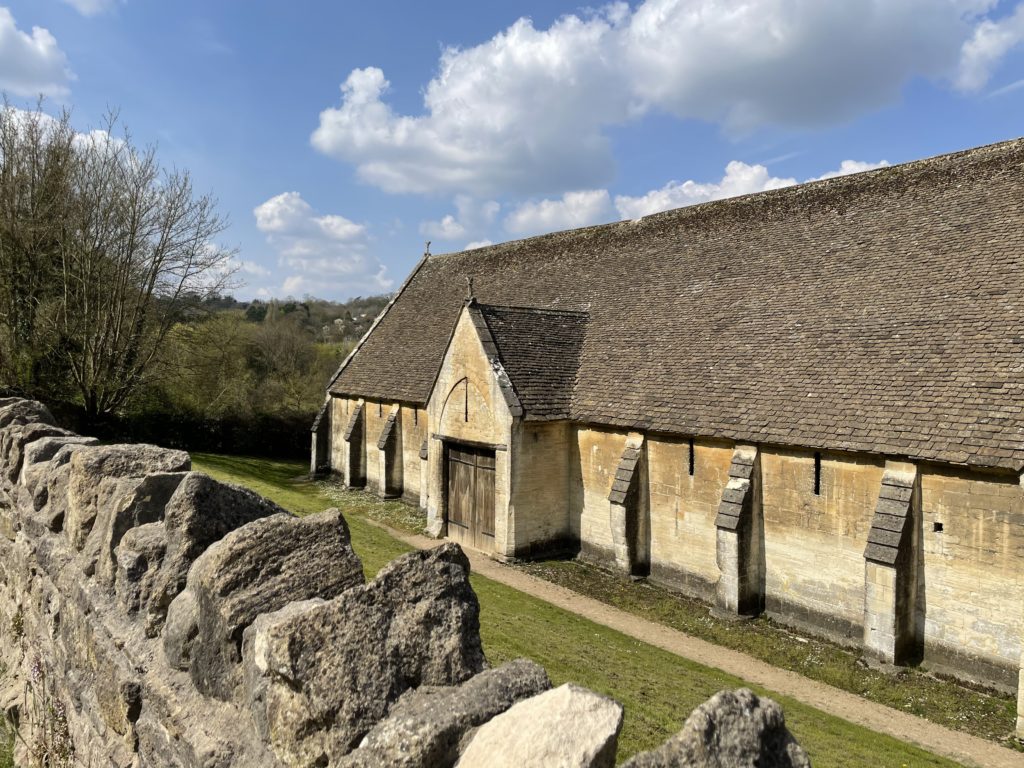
(955,745)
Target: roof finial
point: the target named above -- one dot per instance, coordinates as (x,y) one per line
(469,290)
(426,250)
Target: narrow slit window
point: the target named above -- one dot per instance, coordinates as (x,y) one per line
(692,460)
(817,474)
(415,417)
(380,409)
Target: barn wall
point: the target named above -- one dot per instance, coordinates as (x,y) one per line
(539,514)
(340,414)
(683,509)
(414,431)
(375,415)
(598,453)
(973,573)
(814,545)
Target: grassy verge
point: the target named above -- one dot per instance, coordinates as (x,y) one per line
(657,689)
(980,713)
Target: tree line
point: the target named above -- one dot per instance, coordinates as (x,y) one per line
(115,303)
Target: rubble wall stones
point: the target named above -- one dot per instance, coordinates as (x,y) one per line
(274,652)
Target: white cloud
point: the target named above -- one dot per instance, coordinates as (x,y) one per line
(739,179)
(526,111)
(91,7)
(573,209)
(851,166)
(471,217)
(31,64)
(326,255)
(990,42)
(477,244)
(252,268)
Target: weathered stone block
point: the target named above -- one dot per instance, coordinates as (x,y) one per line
(93,480)
(139,556)
(425,728)
(333,671)
(732,729)
(18,411)
(200,512)
(569,726)
(40,454)
(258,568)
(15,437)
(129,503)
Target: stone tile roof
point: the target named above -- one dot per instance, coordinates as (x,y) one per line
(540,350)
(878,312)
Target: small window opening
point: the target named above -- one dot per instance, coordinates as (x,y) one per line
(415,417)
(692,458)
(937,527)
(817,474)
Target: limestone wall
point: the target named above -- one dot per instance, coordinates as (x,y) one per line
(598,453)
(683,509)
(376,414)
(973,572)
(414,432)
(814,544)
(539,511)
(340,413)
(152,616)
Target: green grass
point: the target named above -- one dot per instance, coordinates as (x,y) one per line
(981,713)
(657,689)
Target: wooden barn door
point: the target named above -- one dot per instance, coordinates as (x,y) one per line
(471,496)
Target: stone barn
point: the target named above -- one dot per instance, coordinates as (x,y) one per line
(807,402)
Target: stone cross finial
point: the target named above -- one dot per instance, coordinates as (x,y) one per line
(469,289)
(426,249)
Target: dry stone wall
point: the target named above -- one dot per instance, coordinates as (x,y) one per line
(153,616)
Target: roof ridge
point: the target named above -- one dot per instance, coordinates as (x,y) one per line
(847,183)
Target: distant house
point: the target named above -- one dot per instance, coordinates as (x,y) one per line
(807,402)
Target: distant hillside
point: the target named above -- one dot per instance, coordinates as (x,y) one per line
(329,322)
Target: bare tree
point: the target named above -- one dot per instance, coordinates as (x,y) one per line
(36,158)
(133,248)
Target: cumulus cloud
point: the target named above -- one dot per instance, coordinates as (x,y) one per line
(91,7)
(31,63)
(477,244)
(471,217)
(991,41)
(739,179)
(324,254)
(571,210)
(526,112)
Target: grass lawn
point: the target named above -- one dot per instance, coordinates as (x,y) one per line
(657,689)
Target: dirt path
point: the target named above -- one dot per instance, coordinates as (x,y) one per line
(955,745)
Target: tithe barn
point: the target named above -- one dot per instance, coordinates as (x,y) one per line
(807,402)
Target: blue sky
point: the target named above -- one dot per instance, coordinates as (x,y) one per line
(340,136)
